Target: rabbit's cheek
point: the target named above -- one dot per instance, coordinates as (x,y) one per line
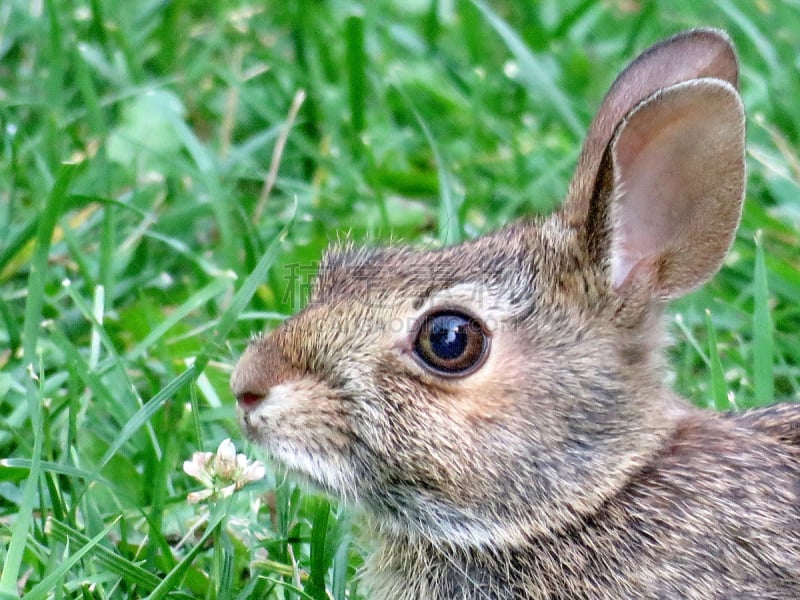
(301,425)
(486,395)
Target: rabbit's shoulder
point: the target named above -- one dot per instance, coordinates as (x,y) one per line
(781,421)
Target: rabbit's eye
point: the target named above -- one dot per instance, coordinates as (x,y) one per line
(451,343)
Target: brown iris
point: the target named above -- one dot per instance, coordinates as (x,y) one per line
(451,343)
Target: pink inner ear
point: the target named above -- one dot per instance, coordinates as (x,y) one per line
(679,165)
(659,184)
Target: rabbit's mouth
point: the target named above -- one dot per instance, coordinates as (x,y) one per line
(301,432)
(312,471)
(310,467)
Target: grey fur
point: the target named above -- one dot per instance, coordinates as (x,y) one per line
(562,468)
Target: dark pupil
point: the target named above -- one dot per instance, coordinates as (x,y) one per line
(451,344)
(448,337)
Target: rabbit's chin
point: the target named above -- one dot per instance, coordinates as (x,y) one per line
(394,513)
(312,469)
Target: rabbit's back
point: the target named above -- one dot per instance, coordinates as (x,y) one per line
(716,516)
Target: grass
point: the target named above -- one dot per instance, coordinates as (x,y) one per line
(165,191)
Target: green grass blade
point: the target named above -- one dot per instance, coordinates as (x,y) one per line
(15,244)
(51,467)
(224,550)
(319,558)
(50,581)
(532,74)
(356,64)
(719,388)
(340,571)
(291,588)
(13,253)
(12,327)
(200,298)
(30,335)
(763,343)
(172,578)
(691,339)
(118,402)
(218,333)
(208,173)
(242,297)
(185,251)
(133,574)
(762,42)
(144,414)
(450,198)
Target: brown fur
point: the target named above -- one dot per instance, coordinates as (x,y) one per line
(562,467)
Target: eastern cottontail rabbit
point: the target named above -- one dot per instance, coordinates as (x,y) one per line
(499,407)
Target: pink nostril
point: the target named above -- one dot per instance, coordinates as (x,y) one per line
(249,399)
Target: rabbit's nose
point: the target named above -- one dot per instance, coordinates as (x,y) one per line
(262,367)
(249,400)
(251,380)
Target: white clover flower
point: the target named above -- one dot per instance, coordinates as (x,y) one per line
(199,496)
(225,462)
(198,468)
(221,473)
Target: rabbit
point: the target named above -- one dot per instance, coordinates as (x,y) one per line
(498,408)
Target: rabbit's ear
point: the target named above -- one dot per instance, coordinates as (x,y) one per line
(696,54)
(669,190)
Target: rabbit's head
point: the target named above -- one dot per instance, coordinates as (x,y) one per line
(507,386)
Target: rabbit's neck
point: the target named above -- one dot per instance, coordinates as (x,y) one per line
(414,569)
(408,566)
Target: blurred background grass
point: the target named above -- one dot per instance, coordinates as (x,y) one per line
(151,154)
